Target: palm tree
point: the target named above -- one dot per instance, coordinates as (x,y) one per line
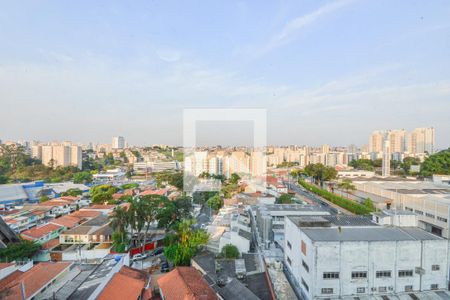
(346,184)
(119,222)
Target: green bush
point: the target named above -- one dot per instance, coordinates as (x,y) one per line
(349,205)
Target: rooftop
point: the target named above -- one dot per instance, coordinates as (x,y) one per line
(128,283)
(370,234)
(40,231)
(185,283)
(34,279)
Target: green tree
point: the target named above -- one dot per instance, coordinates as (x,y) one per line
(362,164)
(215,202)
(285,199)
(82,177)
(72,192)
(131,185)
(184,244)
(230,251)
(436,164)
(408,162)
(234,178)
(369,204)
(320,173)
(119,223)
(16,251)
(44,199)
(346,185)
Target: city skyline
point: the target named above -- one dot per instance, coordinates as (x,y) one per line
(326,71)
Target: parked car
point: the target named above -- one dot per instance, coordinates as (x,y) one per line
(165,267)
(157,251)
(139,256)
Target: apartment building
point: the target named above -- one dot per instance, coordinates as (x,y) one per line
(58,155)
(118,142)
(332,260)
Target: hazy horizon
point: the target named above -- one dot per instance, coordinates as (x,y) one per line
(328,72)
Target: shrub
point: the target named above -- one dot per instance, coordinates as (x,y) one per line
(347,204)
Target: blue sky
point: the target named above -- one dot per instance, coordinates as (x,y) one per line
(327,71)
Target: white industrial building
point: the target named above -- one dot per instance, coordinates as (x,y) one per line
(340,260)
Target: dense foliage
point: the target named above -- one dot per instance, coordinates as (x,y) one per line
(16,165)
(285,199)
(230,251)
(184,243)
(438,163)
(320,173)
(347,204)
(16,251)
(215,202)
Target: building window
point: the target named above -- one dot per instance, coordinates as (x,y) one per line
(405,273)
(441,219)
(331,275)
(429,215)
(305,266)
(289,261)
(383,274)
(357,275)
(303,248)
(289,245)
(434,286)
(361,290)
(382,289)
(408,288)
(327,291)
(435,268)
(419,212)
(305,285)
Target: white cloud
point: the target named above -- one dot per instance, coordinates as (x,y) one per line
(289,31)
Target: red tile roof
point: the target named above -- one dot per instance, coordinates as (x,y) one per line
(67,221)
(99,206)
(54,202)
(40,231)
(160,192)
(70,198)
(50,244)
(128,283)
(33,280)
(185,283)
(85,214)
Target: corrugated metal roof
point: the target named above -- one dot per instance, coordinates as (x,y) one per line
(376,233)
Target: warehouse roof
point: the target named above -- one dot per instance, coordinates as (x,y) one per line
(370,234)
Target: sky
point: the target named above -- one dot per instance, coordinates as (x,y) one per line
(326,71)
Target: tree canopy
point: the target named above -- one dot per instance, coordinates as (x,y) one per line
(285,199)
(438,163)
(230,251)
(16,251)
(320,173)
(184,243)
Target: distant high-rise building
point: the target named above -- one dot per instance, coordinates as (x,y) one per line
(422,140)
(59,155)
(325,149)
(118,142)
(376,141)
(397,139)
(386,161)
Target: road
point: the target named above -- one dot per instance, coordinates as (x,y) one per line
(311,196)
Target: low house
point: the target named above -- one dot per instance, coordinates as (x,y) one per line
(30,284)
(185,283)
(96,230)
(128,283)
(43,233)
